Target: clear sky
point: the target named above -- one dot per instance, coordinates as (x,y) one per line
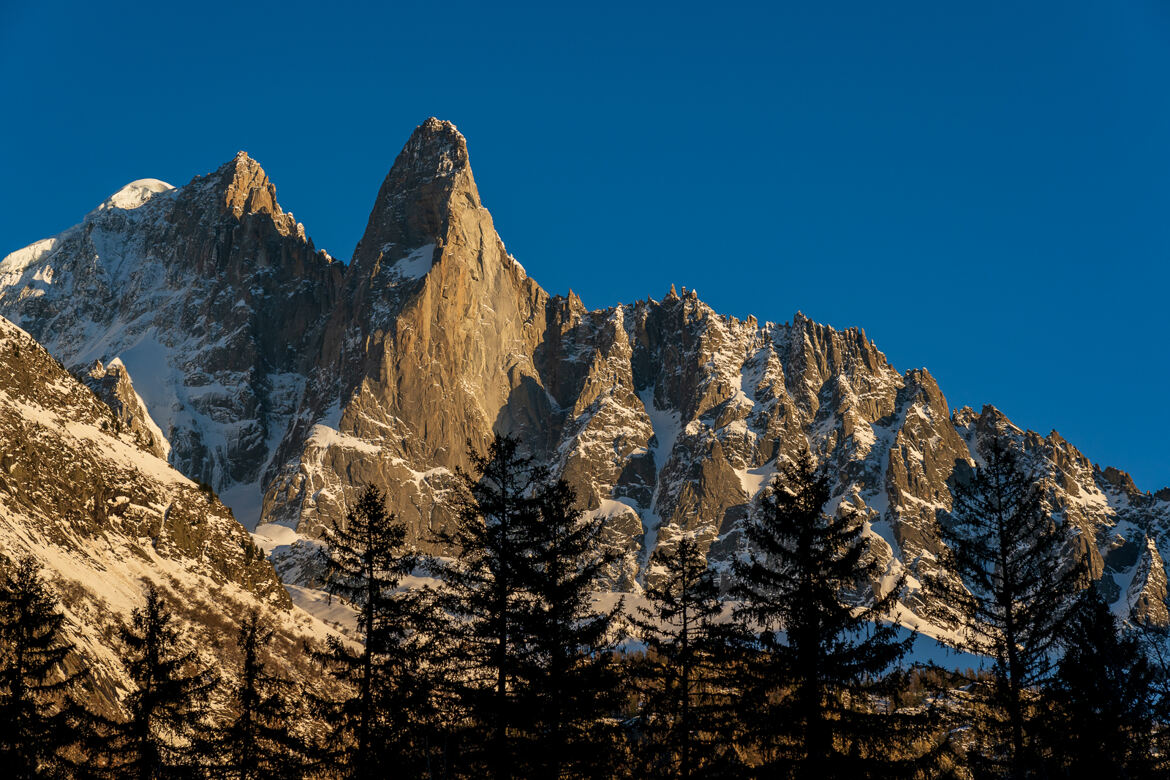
(984,187)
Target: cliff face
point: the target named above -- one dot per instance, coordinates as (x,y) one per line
(429,347)
(288,377)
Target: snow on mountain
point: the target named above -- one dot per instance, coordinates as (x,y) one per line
(135,194)
(286,382)
(84,495)
(208,296)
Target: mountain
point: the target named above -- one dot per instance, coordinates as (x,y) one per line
(287,380)
(83,492)
(211,298)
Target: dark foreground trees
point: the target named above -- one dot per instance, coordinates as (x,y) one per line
(570,670)
(685,723)
(510,670)
(1100,706)
(533,671)
(1015,593)
(388,723)
(259,741)
(812,686)
(39,721)
(486,594)
(164,735)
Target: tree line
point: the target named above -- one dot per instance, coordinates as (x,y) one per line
(505,666)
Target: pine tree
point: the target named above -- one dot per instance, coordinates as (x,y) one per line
(1099,718)
(389,721)
(163,736)
(38,720)
(1014,592)
(682,679)
(809,693)
(259,741)
(487,595)
(570,674)
(1155,647)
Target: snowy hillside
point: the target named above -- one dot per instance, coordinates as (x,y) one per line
(103,516)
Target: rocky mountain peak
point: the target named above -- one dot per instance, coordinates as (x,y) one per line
(245,188)
(429,182)
(436,149)
(285,381)
(1120,479)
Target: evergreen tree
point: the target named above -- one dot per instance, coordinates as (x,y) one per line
(487,594)
(570,674)
(163,736)
(682,680)
(1014,592)
(38,721)
(812,679)
(1101,700)
(388,725)
(1155,646)
(259,741)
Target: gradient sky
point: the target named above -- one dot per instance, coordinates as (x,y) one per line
(985,189)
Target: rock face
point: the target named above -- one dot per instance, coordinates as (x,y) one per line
(288,377)
(430,346)
(82,492)
(113,386)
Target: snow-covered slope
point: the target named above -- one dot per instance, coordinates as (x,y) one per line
(102,514)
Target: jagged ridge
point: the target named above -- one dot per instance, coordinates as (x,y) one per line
(665,415)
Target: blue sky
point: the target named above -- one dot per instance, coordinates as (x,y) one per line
(985,189)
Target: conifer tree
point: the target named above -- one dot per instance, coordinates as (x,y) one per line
(1014,593)
(815,667)
(38,720)
(164,734)
(1101,700)
(570,673)
(259,742)
(389,721)
(1155,646)
(682,680)
(487,594)
(534,673)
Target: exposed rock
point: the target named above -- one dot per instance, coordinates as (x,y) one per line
(284,372)
(113,386)
(103,515)
(211,292)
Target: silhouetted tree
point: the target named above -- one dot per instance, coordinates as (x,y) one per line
(259,742)
(389,720)
(38,719)
(488,596)
(164,734)
(813,690)
(1101,702)
(682,680)
(568,671)
(1014,592)
(1155,645)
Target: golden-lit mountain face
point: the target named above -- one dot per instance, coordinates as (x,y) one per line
(287,380)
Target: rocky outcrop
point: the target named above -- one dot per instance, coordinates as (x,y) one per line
(113,386)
